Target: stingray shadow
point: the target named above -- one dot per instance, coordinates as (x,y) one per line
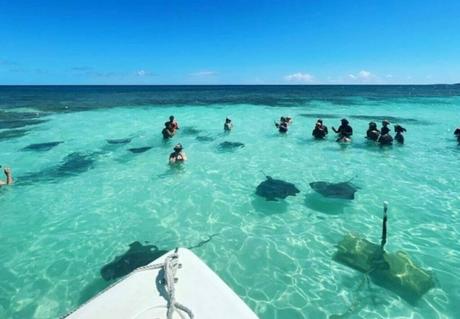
(41,147)
(328,206)
(267,208)
(136,256)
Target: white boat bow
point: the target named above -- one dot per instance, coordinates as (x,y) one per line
(146,293)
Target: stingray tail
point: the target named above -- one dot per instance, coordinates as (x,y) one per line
(201,243)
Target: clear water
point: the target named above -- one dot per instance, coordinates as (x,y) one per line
(57,231)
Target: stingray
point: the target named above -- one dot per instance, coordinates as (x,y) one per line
(230,146)
(76,163)
(73,164)
(136,256)
(343,190)
(203,138)
(190,130)
(9,120)
(120,141)
(138,150)
(41,147)
(9,134)
(392,119)
(321,116)
(272,189)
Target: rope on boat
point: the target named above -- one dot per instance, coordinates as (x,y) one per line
(170,267)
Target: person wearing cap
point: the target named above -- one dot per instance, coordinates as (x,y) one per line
(8,175)
(178,156)
(385,137)
(399,137)
(345,131)
(373,132)
(228,125)
(320,130)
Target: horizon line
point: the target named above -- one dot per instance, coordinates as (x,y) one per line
(266,84)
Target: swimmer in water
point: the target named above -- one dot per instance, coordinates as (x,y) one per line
(320,130)
(457,134)
(373,132)
(345,131)
(282,126)
(167,132)
(228,125)
(173,125)
(385,137)
(178,156)
(9,177)
(399,137)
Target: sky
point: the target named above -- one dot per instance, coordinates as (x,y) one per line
(229,42)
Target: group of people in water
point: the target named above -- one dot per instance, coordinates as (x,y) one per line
(320,131)
(345,131)
(170,128)
(178,155)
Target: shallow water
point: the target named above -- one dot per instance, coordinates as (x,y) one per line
(69,215)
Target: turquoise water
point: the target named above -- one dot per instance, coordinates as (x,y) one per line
(57,231)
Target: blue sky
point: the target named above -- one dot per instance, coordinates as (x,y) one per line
(229,42)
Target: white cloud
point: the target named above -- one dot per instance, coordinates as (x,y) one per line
(203,73)
(143,73)
(299,77)
(363,76)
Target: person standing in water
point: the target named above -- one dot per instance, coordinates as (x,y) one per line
(167,132)
(178,156)
(457,134)
(373,132)
(320,130)
(173,125)
(228,125)
(345,131)
(399,137)
(385,137)
(282,126)
(8,175)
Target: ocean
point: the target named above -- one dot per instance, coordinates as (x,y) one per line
(79,203)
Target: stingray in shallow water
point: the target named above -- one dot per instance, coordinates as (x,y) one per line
(120,141)
(73,164)
(41,147)
(274,189)
(204,138)
(321,115)
(136,256)
(392,119)
(229,146)
(344,190)
(138,150)
(190,130)
(9,134)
